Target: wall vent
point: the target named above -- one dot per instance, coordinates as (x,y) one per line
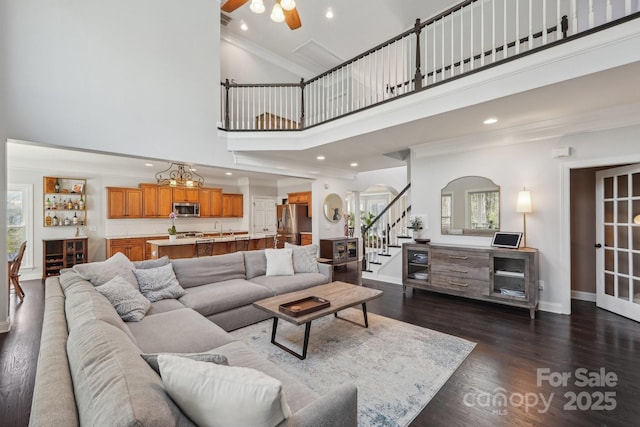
(224,20)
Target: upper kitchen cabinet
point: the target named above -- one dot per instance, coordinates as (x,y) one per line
(157,200)
(301,198)
(186,194)
(232,205)
(124,202)
(210,202)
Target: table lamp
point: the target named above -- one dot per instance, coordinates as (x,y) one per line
(523,206)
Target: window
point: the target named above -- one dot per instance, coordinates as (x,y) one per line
(445,213)
(19,223)
(485,209)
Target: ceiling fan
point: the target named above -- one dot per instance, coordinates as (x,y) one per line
(283,10)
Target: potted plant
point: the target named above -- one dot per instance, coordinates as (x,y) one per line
(415,223)
(172,229)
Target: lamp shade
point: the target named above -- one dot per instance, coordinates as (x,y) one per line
(523,204)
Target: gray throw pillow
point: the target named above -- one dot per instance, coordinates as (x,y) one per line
(152,359)
(99,273)
(159,283)
(130,304)
(305,258)
(151,263)
(255,263)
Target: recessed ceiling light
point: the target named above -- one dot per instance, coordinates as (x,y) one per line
(244,27)
(490,121)
(149,165)
(228,173)
(320,157)
(353,164)
(329,13)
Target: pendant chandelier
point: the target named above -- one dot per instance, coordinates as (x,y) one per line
(179,175)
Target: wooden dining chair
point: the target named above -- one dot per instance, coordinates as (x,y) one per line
(204,247)
(14,272)
(242,243)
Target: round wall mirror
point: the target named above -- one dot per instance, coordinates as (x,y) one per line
(332,207)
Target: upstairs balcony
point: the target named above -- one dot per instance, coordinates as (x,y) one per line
(471,37)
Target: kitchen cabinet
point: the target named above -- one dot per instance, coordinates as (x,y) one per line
(124,202)
(306,239)
(232,205)
(157,200)
(301,198)
(133,248)
(210,202)
(186,194)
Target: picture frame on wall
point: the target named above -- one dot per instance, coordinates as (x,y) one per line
(77,188)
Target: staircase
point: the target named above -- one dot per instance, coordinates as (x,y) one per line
(382,240)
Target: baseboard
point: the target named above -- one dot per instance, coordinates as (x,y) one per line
(5,326)
(583,296)
(551,307)
(389,279)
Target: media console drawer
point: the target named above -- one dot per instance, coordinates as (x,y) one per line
(461,284)
(460,263)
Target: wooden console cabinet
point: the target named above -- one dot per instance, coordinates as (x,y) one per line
(63,253)
(340,250)
(504,276)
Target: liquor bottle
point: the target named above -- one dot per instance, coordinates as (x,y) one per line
(81,203)
(69,204)
(67,221)
(47,203)
(54,220)
(55,203)
(57,186)
(76,205)
(47,220)
(74,220)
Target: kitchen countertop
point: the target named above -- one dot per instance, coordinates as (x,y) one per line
(213,234)
(192,240)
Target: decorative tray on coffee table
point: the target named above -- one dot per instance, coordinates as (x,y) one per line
(304,306)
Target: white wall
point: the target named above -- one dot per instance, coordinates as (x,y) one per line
(511,167)
(139,77)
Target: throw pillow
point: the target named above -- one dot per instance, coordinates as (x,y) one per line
(128,302)
(279,262)
(151,263)
(305,258)
(152,359)
(99,273)
(159,283)
(221,396)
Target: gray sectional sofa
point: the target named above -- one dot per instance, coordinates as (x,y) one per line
(90,370)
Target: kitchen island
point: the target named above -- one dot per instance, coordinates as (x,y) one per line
(186,247)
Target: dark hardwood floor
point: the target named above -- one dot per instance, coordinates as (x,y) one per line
(510,349)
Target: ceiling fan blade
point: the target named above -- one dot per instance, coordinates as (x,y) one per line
(231,5)
(292,18)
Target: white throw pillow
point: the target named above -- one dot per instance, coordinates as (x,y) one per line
(130,304)
(305,258)
(279,262)
(223,396)
(159,283)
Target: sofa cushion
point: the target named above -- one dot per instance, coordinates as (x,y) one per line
(279,262)
(223,396)
(283,284)
(152,359)
(297,394)
(203,270)
(164,305)
(222,296)
(159,283)
(178,331)
(305,258)
(151,263)
(130,304)
(113,385)
(101,272)
(255,263)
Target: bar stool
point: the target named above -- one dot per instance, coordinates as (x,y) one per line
(242,243)
(270,240)
(204,247)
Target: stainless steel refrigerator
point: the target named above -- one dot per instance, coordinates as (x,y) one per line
(292,219)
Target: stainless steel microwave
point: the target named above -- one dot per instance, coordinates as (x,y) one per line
(186,209)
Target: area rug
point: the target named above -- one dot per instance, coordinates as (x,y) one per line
(397,367)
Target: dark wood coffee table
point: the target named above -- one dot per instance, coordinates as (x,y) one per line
(341,295)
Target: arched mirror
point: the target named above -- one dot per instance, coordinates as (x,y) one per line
(332,207)
(470,206)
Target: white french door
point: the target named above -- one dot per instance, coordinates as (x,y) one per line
(618,240)
(264,215)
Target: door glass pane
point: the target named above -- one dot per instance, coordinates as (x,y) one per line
(635,259)
(608,187)
(635,212)
(608,260)
(623,288)
(608,212)
(636,291)
(623,262)
(636,238)
(608,284)
(623,186)
(623,236)
(636,184)
(623,212)
(608,236)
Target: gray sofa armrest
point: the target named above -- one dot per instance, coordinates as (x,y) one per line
(326,269)
(337,409)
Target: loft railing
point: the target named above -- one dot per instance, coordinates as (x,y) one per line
(386,228)
(463,39)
